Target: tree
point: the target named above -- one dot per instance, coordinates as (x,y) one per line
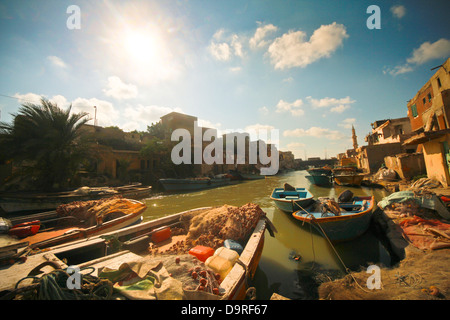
(45,143)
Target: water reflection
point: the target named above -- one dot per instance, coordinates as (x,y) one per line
(277,272)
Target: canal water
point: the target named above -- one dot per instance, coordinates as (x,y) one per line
(297,259)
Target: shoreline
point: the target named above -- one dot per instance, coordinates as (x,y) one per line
(417,274)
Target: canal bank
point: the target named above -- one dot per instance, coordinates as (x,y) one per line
(419,241)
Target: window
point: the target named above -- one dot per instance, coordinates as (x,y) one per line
(414,110)
(424,101)
(439,82)
(429,97)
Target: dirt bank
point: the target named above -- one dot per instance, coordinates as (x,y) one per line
(419,275)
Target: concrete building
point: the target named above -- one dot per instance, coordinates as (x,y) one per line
(429,114)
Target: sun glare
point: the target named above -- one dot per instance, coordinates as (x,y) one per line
(143,47)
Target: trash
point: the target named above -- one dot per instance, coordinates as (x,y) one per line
(428,201)
(293,255)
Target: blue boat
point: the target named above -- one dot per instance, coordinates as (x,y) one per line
(350,221)
(193,184)
(320,180)
(290,201)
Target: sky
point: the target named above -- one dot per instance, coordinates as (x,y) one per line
(307,69)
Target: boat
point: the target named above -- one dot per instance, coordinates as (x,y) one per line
(147,242)
(77,220)
(347,176)
(327,171)
(191,184)
(14,203)
(320,180)
(346,220)
(290,201)
(252,176)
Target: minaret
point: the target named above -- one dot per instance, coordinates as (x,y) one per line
(355,141)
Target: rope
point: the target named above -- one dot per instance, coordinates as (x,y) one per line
(53,286)
(313,219)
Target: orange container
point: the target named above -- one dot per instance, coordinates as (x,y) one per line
(161,234)
(201,252)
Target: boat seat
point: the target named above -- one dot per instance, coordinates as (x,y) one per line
(292,197)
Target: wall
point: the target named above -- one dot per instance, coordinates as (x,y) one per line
(406,165)
(370,158)
(434,160)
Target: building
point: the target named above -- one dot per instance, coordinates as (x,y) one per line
(389,131)
(429,114)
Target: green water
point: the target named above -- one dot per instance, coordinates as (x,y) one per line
(277,271)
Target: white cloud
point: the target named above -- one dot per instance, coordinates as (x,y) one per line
(220,51)
(107,115)
(34,98)
(398,11)
(257,41)
(293,107)
(347,123)
(138,117)
(315,132)
(264,111)
(426,52)
(57,61)
(223,47)
(117,89)
(430,51)
(293,50)
(335,105)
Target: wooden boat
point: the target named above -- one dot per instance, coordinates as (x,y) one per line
(349,179)
(193,184)
(100,216)
(352,221)
(290,201)
(33,202)
(134,241)
(347,176)
(327,171)
(320,180)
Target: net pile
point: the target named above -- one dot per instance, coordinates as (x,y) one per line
(214,226)
(98,211)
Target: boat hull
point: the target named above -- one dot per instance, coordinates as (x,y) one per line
(192,184)
(46,202)
(64,235)
(344,227)
(290,201)
(348,180)
(320,180)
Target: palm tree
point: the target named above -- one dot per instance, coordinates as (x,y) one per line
(44,142)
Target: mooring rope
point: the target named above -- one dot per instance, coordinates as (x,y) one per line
(313,219)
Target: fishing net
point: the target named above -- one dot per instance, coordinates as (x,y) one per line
(213,227)
(97,211)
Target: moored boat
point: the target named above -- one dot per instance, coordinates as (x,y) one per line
(344,221)
(327,171)
(320,180)
(347,176)
(291,200)
(34,202)
(193,184)
(169,251)
(77,220)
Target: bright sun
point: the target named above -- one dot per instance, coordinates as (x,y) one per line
(143,47)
